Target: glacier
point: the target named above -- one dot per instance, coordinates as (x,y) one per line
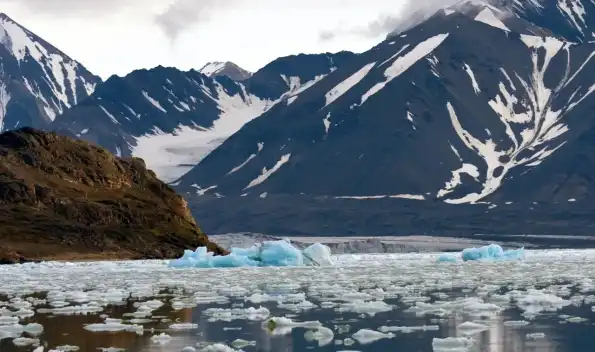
(266,254)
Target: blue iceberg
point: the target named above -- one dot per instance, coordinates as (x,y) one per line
(491,252)
(266,254)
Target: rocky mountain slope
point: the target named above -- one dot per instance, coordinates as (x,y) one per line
(37,81)
(62,198)
(173,118)
(440,113)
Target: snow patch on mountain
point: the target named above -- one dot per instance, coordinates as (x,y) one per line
(212,68)
(4,100)
(296,87)
(473,79)
(382,196)
(574,12)
(347,84)
(541,122)
(260,146)
(154,102)
(403,63)
(229,69)
(266,173)
(488,17)
(171,155)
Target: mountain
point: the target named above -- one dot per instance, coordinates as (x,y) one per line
(573,20)
(229,69)
(479,104)
(37,81)
(172,119)
(63,198)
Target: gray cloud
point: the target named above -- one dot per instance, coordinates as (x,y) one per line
(413,13)
(176,18)
(67,8)
(183,14)
(325,36)
(380,26)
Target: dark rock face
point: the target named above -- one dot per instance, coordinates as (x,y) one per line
(64,198)
(37,81)
(476,105)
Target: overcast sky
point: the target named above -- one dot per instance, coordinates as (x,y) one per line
(118,36)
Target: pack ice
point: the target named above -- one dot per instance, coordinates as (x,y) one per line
(269,253)
(491,252)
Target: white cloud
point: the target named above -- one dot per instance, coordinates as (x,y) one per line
(118,36)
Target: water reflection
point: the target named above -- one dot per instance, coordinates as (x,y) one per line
(68,330)
(501,338)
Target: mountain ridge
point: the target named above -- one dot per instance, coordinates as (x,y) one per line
(433,117)
(173,118)
(454,119)
(39,81)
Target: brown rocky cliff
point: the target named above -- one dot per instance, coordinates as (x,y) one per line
(62,198)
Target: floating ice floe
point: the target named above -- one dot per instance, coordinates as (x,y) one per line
(266,254)
(491,252)
(366,336)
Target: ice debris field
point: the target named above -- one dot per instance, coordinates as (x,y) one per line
(357,302)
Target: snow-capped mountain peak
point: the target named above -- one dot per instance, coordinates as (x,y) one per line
(459,106)
(173,119)
(225,68)
(39,81)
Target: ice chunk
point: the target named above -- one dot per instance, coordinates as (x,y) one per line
(25,341)
(239,343)
(471,328)
(266,254)
(113,327)
(535,301)
(218,347)
(67,348)
(183,326)
(318,254)
(251,313)
(33,329)
(452,344)
(409,329)
(493,251)
(161,339)
(278,326)
(323,335)
(365,336)
(515,323)
(536,335)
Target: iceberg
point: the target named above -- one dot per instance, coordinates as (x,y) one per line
(490,252)
(265,254)
(493,251)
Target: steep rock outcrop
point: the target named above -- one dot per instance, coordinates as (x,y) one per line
(63,198)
